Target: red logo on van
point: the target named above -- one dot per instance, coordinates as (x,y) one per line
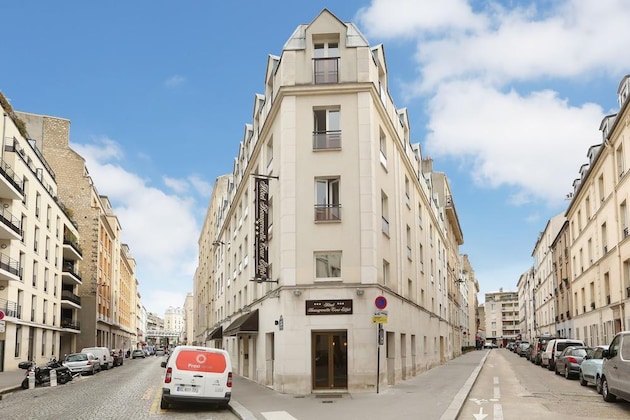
(200,361)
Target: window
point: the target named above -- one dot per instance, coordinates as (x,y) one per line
(36,240)
(35,269)
(385,213)
(407,201)
(623,219)
(18,340)
(328,265)
(269,155)
(326,62)
(620,160)
(383,147)
(385,272)
(327,129)
(408,242)
(600,186)
(327,207)
(38,203)
(604,239)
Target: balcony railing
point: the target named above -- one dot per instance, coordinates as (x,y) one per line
(69,267)
(10,221)
(7,173)
(66,295)
(73,244)
(327,212)
(11,308)
(69,323)
(323,140)
(9,264)
(326,70)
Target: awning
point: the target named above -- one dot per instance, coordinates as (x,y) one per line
(247,323)
(215,334)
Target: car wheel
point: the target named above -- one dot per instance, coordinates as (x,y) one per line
(567,374)
(608,397)
(164,405)
(583,381)
(598,384)
(556,370)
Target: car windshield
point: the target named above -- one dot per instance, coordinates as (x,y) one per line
(579,352)
(76,358)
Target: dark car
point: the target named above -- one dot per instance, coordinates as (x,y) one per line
(522,348)
(569,361)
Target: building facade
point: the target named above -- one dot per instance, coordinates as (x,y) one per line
(502,317)
(39,253)
(332,248)
(105,319)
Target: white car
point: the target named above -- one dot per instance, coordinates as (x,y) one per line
(197,375)
(616,368)
(82,363)
(591,368)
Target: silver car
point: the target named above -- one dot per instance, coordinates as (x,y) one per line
(591,368)
(82,363)
(616,368)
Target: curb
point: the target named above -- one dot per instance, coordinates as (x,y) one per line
(456,405)
(240,411)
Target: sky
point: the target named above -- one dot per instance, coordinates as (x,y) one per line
(505,96)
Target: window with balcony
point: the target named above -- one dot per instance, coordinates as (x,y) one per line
(328,265)
(326,62)
(327,129)
(327,204)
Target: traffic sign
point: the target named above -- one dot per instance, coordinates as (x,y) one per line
(380,302)
(1,315)
(379,317)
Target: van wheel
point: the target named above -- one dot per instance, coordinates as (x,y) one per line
(164,405)
(598,384)
(608,397)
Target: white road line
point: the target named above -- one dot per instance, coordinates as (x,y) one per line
(495,380)
(497,393)
(498,412)
(278,415)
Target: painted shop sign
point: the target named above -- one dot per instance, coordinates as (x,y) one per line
(329,307)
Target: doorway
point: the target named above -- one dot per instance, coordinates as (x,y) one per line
(329,353)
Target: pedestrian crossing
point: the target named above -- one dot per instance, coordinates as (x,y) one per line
(278,415)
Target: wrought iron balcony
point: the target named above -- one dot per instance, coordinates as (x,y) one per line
(67,295)
(10,308)
(323,140)
(327,212)
(9,265)
(326,70)
(71,324)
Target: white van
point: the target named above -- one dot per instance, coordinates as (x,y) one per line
(553,350)
(103,354)
(198,375)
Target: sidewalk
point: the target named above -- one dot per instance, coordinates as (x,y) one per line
(12,380)
(435,394)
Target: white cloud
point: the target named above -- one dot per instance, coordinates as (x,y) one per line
(178,185)
(509,139)
(161,229)
(203,187)
(174,81)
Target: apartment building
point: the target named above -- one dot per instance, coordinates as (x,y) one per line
(470,302)
(106,288)
(189,318)
(39,253)
(544,303)
(562,290)
(331,249)
(599,249)
(502,317)
(527,314)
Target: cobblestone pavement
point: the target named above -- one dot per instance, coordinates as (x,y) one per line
(129,391)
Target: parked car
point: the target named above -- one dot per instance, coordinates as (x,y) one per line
(490,345)
(82,363)
(138,353)
(616,368)
(568,363)
(197,375)
(591,368)
(104,356)
(538,347)
(117,357)
(522,348)
(160,352)
(553,350)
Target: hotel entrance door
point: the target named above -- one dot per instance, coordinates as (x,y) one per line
(329,352)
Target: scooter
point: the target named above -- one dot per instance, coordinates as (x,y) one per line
(42,374)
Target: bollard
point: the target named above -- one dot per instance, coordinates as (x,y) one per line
(31,379)
(53,377)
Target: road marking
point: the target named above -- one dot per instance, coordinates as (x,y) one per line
(498,412)
(480,415)
(497,393)
(278,415)
(147,393)
(495,380)
(155,405)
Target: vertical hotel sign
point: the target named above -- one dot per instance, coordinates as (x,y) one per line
(262,225)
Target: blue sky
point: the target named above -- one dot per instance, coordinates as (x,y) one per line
(506,97)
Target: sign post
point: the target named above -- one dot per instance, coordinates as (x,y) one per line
(380,317)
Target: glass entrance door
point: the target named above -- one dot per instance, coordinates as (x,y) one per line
(329,352)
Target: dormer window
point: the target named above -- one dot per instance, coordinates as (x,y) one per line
(326,62)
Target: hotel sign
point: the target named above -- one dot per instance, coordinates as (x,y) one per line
(329,307)
(261,252)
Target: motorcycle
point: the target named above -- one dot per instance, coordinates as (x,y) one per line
(42,373)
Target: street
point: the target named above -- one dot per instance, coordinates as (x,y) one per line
(129,391)
(512,388)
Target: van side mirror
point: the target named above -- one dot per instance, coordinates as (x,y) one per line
(605,354)
(163,364)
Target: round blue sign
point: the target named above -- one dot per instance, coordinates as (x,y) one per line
(380,302)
